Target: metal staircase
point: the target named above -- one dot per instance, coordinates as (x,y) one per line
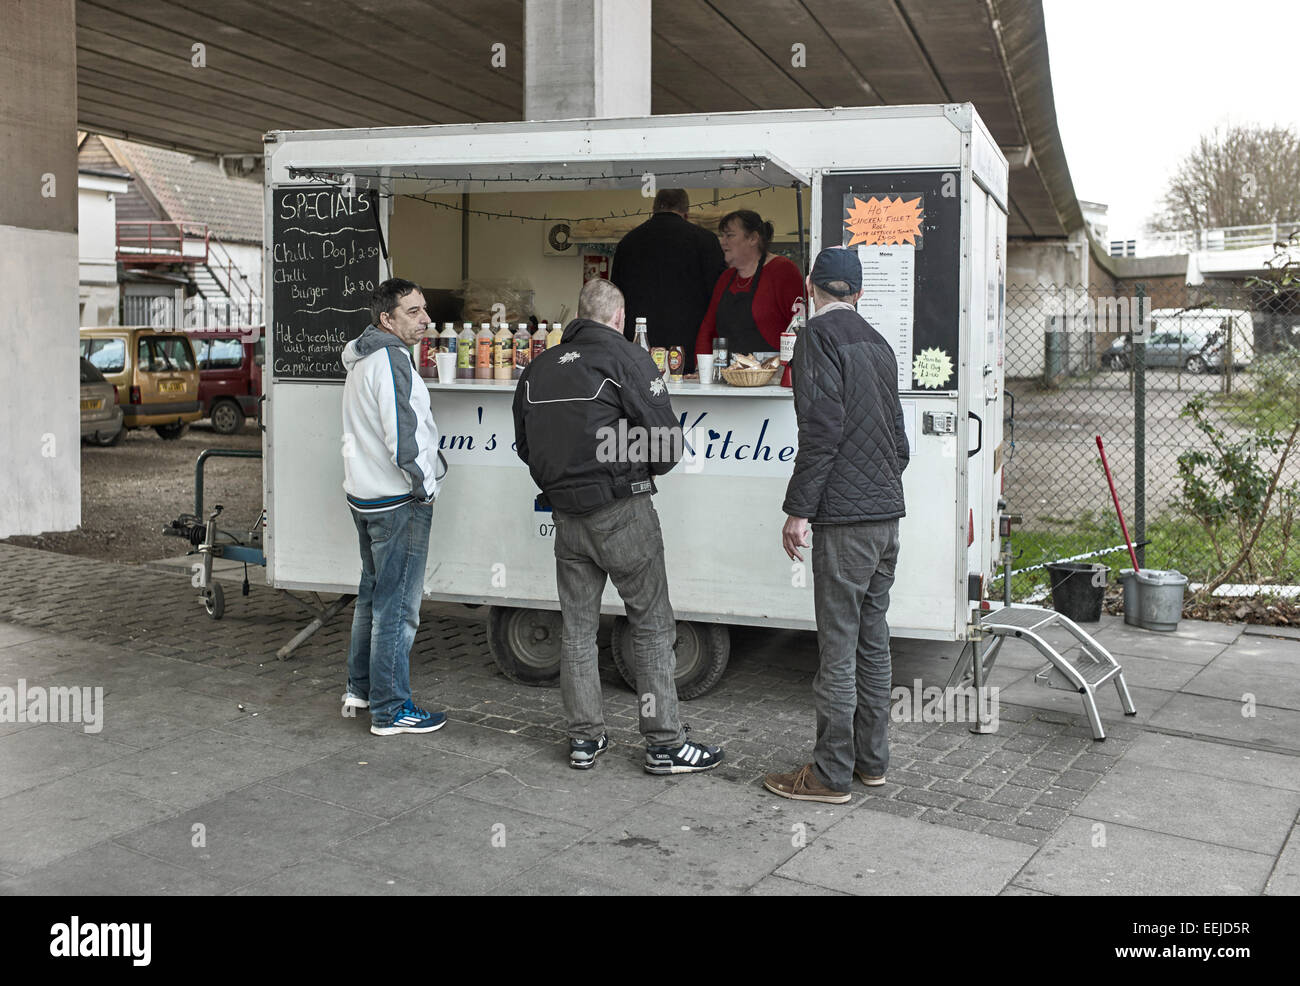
(1085,673)
(225,298)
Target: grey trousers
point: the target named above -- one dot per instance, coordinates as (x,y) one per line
(853,570)
(622,540)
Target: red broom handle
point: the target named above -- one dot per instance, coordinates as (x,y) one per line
(1119,513)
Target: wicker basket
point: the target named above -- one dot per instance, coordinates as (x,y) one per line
(745,377)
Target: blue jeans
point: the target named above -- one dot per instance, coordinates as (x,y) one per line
(394,549)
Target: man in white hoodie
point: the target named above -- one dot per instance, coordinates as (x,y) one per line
(391,478)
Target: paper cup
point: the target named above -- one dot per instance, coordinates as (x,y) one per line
(446,367)
(705,365)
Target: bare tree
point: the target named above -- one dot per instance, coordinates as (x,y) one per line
(1238,177)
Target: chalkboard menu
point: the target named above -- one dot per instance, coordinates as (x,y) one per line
(324,267)
(906,229)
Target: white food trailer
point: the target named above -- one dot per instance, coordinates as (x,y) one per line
(919,191)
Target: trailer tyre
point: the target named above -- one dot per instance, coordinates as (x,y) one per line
(703,650)
(214,601)
(525,643)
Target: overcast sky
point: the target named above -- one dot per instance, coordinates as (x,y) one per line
(1137,81)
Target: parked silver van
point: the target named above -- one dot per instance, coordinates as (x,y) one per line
(1194,339)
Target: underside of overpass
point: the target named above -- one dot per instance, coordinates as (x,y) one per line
(315,64)
(212,78)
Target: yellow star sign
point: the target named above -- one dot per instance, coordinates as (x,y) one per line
(931,368)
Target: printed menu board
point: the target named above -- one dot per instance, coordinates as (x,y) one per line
(906,229)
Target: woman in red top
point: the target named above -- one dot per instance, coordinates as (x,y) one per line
(755,297)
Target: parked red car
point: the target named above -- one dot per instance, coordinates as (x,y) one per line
(230,377)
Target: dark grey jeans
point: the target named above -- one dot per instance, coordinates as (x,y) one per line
(621,539)
(853,570)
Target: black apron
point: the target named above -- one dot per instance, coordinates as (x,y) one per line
(735,319)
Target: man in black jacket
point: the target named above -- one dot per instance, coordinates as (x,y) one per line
(848,481)
(594,423)
(667,268)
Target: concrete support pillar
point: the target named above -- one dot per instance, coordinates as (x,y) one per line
(40,454)
(586,58)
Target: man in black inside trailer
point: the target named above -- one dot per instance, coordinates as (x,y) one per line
(666,269)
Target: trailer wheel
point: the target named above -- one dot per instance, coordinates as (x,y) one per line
(703,650)
(525,643)
(214,601)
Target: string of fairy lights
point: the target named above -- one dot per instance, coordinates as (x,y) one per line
(334,177)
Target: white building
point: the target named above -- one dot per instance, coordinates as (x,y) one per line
(97,193)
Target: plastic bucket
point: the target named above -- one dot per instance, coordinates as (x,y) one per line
(1077,590)
(1160,599)
(1132,593)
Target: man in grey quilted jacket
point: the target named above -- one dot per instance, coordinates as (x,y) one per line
(848,482)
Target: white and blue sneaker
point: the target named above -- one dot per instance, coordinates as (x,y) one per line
(411,719)
(583,753)
(352,702)
(689,758)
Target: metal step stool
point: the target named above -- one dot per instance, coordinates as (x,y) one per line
(1092,668)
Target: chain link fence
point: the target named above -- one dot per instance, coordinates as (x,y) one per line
(1192,390)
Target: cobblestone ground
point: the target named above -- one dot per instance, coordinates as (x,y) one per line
(1019,783)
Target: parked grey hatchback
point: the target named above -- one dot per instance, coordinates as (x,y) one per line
(101,416)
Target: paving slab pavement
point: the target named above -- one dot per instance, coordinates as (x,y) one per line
(218,769)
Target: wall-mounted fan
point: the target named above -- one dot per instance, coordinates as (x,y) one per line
(558,242)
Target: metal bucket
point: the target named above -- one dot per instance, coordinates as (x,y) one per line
(1132,592)
(1160,599)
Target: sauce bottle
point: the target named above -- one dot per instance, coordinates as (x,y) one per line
(676,363)
(428,346)
(465,353)
(483,353)
(554,336)
(447,338)
(537,344)
(503,353)
(641,339)
(523,349)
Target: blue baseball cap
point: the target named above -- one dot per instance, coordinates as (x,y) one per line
(837,264)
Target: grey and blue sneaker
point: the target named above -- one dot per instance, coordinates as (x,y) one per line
(689,758)
(583,753)
(352,702)
(411,719)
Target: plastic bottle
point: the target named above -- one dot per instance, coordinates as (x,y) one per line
(537,344)
(641,339)
(483,353)
(523,349)
(428,346)
(788,338)
(554,336)
(465,353)
(447,338)
(503,353)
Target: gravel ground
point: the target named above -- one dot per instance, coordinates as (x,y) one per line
(1055,474)
(131,492)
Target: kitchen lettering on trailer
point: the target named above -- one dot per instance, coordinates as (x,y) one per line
(325,264)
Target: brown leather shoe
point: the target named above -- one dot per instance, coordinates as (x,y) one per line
(868,779)
(803,785)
